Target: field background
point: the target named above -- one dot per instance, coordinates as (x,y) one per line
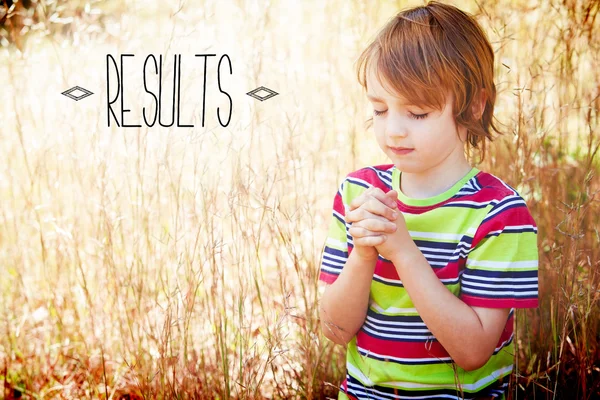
(183,262)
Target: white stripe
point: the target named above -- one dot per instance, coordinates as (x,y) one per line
(473,203)
(434,250)
(392,310)
(464,192)
(493,292)
(341,259)
(483,285)
(450,252)
(339,215)
(383,175)
(515,200)
(438,263)
(355,372)
(503,264)
(330,269)
(435,235)
(392,329)
(512,228)
(520,226)
(427,337)
(482,278)
(398,281)
(333,263)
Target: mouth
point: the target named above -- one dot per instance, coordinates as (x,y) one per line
(401,150)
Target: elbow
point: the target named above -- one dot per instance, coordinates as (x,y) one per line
(472,362)
(470,366)
(330,329)
(336,335)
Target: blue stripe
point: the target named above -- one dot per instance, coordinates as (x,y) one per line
(435,245)
(517,204)
(336,252)
(472,206)
(351,180)
(514,288)
(342,220)
(357,389)
(508,229)
(499,274)
(395,341)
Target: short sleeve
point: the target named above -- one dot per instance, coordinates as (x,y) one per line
(501,269)
(335,251)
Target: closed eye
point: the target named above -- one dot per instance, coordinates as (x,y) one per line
(414,116)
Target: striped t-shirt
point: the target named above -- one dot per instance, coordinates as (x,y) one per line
(481,240)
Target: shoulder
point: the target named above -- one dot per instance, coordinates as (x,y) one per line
(371,176)
(505,205)
(494,187)
(356,182)
(497,195)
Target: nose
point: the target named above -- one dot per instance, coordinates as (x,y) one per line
(396,126)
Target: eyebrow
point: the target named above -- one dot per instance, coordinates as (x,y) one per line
(375,98)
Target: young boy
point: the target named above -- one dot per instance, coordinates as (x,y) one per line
(427,258)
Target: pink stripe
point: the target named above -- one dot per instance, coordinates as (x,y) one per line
(399,348)
(513,216)
(327,277)
(499,303)
(387,270)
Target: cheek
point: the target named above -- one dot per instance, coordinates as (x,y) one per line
(427,134)
(379,135)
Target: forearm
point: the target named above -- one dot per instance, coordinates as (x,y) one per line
(454,324)
(344,303)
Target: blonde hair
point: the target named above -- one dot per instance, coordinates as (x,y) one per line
(427,51)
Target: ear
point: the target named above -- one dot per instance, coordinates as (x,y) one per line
(478,104)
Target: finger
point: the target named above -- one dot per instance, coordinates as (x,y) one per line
(370,240)
(372,192)
(377,224)
(375,206)
(358,232)
(359,200)
(393,195)
(361,232)
(363,213)
(385,199)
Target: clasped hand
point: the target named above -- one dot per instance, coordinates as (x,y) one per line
(378,227)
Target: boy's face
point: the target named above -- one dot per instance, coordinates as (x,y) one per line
(437,146)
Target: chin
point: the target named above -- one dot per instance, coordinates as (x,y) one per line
(408,169)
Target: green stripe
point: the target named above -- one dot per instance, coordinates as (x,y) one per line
(455,220)
(351,191)
(397,178)
(507,247)
(431,374)
(387,296)
(337,231)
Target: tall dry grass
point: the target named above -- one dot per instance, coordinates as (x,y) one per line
(178,263)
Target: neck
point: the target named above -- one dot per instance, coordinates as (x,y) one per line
(436,180)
